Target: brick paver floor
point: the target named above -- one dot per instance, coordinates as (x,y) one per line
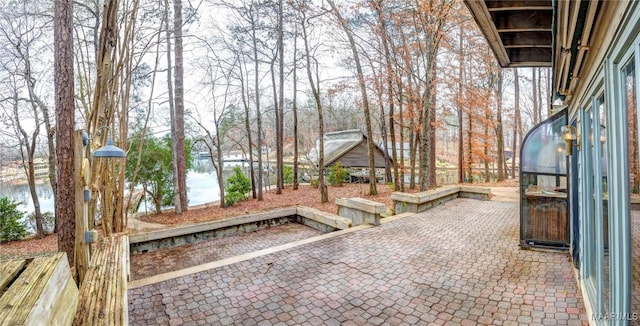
(170,259)
(458,263)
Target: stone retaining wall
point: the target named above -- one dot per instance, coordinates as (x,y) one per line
(421,201)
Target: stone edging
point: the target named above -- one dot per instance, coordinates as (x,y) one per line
(421,201)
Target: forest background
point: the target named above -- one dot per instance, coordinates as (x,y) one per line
(413,76)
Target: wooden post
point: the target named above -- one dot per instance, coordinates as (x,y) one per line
(81,248)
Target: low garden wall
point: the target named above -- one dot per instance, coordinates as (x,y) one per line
(421,201)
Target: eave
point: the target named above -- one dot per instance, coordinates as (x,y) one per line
(519,32)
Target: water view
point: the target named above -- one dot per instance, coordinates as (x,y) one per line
(202,187)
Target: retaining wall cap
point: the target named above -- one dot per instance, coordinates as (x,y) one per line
(211,225)
(324,217)
(480,190)
(362,204)
(433,194)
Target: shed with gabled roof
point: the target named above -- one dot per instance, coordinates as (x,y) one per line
(350,148)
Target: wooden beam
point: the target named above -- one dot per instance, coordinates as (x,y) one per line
(525,20)
(527,46)
(537,38)
(81,248)
(530,55)
(482,17)
(498,5)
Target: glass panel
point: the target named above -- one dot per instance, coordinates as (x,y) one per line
(544,150)
(589,193)
(543,185)
(634,177)
(597,140)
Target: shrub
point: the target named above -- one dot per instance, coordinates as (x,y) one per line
(11,225)
(337,174)
(314,183)
(48,221)
(237,187)
(287,173)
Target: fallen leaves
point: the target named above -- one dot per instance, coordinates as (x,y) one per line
(305,196)
(29,247)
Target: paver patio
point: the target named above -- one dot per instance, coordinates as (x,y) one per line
(170,259)
(458,263)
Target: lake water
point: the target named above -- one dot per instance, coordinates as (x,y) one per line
(201,188)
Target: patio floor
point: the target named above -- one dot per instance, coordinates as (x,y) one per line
(458,263)
(179,257)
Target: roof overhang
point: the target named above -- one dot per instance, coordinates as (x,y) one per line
(520,32)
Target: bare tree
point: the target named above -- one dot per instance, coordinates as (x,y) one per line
(459,95)
(365,100)
(280,106)
(109,110)
(22,27)
(517,124)
(390,78)
(294,100)
(16,113)
(315,89)
(498,127)
(172,108)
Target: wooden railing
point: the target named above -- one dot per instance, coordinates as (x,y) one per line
(103,293)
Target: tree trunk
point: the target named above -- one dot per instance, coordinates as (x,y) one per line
(315,89)
(459,98)
(487,177)
(295,114)
(220,167)
(256,62)
(470,138)
(65,124)
(280,107)
(432,128)
(383,132)
(413,140)
(365,100)
(425,133)
(247,126)
(278,141)
(547,76)
(39,104)
(534,91)
(172,112)
(401,123)
(179,145)
(499,131)
(390,77)
(27,153)
(539,91)
(516,118)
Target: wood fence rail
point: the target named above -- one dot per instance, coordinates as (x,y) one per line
(103,293)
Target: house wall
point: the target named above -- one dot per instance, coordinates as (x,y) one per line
(603,107)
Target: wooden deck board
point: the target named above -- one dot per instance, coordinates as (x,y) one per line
(9,270)
(44,291)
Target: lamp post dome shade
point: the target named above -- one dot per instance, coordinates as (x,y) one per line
(109,150)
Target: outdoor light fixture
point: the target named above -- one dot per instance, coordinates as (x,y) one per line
(558,102)
(569,135)
(109,150)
